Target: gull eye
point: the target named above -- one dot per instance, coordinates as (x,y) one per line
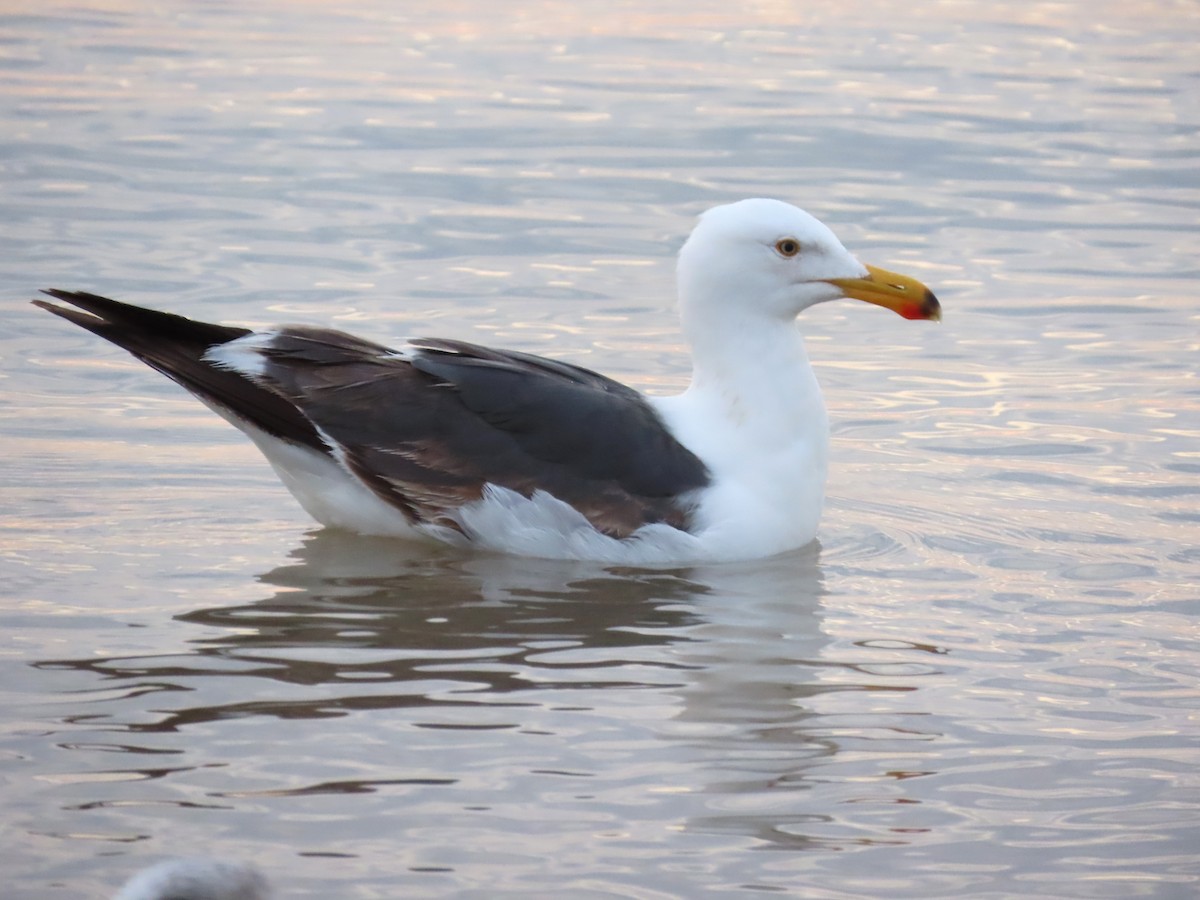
(788,247)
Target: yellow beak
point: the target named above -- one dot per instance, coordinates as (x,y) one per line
(899,293)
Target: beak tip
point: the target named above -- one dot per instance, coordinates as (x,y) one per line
(899,293)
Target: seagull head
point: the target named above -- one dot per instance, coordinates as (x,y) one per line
(768,259)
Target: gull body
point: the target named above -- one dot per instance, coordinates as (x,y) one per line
(449,441)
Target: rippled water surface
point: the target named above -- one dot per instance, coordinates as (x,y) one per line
(982,683)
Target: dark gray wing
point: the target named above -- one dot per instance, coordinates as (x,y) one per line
(428,428)
(564,414)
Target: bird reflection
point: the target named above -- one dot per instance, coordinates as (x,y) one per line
(405,612)
(733,653)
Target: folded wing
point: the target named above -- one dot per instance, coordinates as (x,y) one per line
(427,427)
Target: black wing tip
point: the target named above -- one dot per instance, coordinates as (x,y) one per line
(87,315)
(91,303)
(74,297)
(115,316)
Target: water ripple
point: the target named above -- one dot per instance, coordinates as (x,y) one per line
(983,683)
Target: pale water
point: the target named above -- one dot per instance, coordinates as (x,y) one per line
(985,681)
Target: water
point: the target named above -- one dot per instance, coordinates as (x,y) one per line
(982,683)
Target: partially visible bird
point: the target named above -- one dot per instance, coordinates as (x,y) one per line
(196,879)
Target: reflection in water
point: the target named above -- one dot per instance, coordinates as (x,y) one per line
(360,609)
(720,665)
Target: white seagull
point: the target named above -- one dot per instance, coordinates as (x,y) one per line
(505,451)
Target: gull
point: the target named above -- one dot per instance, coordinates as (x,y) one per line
(444,440)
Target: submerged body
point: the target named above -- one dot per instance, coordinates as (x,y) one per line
(505,451)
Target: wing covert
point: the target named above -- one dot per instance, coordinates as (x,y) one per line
(427,429)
